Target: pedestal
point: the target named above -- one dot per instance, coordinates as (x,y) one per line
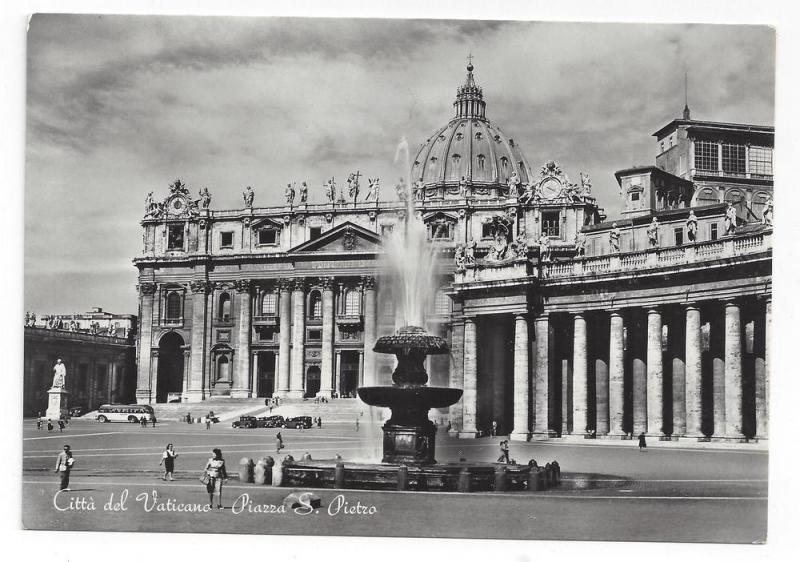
(57,403)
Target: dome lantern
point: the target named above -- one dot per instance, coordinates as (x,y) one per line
(469,98)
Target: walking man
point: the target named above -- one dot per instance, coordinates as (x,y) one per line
(279,442)
(208,422)
(64,463)
(494,428)
(642,442)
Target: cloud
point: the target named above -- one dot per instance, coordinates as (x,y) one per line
(121,105)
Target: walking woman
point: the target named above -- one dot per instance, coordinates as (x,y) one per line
(278,442)
(214,476)
(168,460)
(642,442)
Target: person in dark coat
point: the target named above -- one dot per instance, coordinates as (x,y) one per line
(279,442)
(642,442)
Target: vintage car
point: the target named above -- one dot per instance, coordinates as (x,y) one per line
(270,421)
(245,422)
(297,422)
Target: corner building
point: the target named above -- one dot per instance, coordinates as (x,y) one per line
(561,323)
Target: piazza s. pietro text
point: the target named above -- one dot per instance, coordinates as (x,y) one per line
(481,316)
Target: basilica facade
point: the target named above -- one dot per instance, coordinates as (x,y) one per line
(560,321)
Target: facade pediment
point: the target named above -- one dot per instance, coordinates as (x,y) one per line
(441,216)
(347,237)
(265,222)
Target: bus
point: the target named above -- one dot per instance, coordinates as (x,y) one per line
(132,413)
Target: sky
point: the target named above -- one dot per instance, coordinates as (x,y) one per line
(118,106)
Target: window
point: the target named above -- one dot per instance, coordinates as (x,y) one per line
(486,231)
(315,232)
(352,303)
(670,141)
(441,304)
(439,230)
(456,158)
(268,236)
(224,306)
(551,223)
(173,306)
(733,158)
(386,229)
(706,156)
(175,237)
(713,231)
(223,369)
(707,197)
(662,146)
(635,196)
(226,239)
(761,160)
(504,163)
(269,304)
(678,236)
(315,305)
(314,335)
(481,161)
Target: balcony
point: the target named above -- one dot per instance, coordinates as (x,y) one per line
(265,320)
(349,320)
(484,270)
(223,321)
(172,322)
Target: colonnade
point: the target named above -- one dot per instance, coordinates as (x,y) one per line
(696,370)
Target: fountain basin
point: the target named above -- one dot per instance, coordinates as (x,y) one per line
(423,397)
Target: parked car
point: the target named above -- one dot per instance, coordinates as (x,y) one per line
(77,411)
(270,421)
(245,422)
(299,421)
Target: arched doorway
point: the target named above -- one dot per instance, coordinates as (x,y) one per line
(170,367)
(349,373)
(312,381)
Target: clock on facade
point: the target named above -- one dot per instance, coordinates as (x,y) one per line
(550,188)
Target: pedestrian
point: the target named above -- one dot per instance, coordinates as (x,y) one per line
(168,460)
(49,425)
(154,420)
(60,426)
(356,423)
(503,452)
(39,423)
(64,463)
(449,426)
(215,475)
(208,422)
(319,422)
(279,444)
(270,409)
(494,428)
(188,417)
(642,442)
(144,420)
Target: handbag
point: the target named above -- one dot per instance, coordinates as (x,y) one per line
(205,479)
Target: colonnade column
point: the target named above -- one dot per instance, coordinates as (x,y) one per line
(145,391)
(733,370)
(676,345)
(456,378)
(241,374)
(254,378)
(541,377)
(762,373)
(296,387)
(616,374)
(694,372)
(337,383)
(522,422)
(470,397)
(370,329)
(284,336)
(187,366)
(326,370)
(655,374)
(580,373)
(200,291)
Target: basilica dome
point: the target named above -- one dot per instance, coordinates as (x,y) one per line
(469,146)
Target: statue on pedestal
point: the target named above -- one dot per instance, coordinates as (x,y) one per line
(402,190)
(419,190)
(59,375)
(691,226)
(248,197)
(652,233)
(544,248)
(374,190)
(730,219)
(580,244)
(353,185)
(303,193)
(469,254)
(613,237)
(459,258)
(521,244)
(513,184)
(205,198)
(462,187)
(586,184)
(330,190)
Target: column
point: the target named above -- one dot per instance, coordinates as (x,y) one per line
(326,369)
(285,304)
(254,380)
(241,374)
(733,370)
(470,398)
(655,375)
(361,368)
(717,349)
(144,389)
(541,387)
(370,329)
(677,345)
(187,364)
(456,375)
(637,344)
(338,373)
(200,290)
(600,345)
(762,371)
(296,387)
(153,365)
(580,373)
(694,372)
(522,422)
(274,388)
(616,374)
